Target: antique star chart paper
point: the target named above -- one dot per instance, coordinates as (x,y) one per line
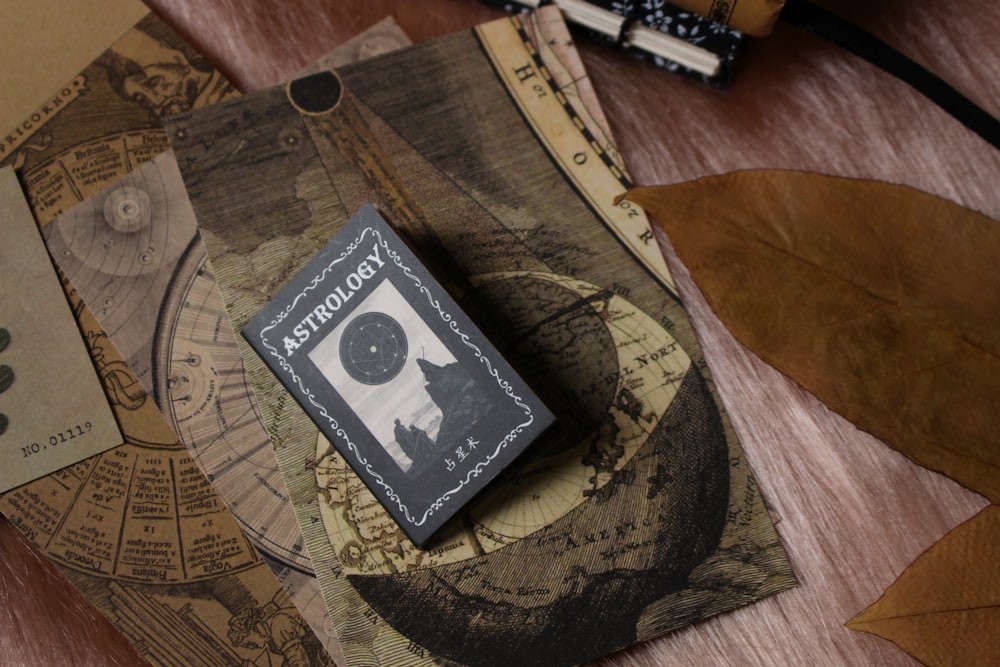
(128,242)
(133,251)
(641,515)
(51,42)
(140,530)
(105,122)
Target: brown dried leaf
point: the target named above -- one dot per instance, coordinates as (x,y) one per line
(945,607)
(882,300)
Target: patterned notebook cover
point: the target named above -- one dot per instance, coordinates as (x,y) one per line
(713,45)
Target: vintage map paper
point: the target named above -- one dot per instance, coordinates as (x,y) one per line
(154,294)
(136,265)
(53,411)
(142,532)
(153,290)
(105,122)
(46,42)
(643,515)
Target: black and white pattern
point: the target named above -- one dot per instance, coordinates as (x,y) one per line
(669,19)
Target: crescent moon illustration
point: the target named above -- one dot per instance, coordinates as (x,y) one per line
(621,504)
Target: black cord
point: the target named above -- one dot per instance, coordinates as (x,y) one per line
(845,34)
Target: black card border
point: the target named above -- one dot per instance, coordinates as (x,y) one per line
(350,436)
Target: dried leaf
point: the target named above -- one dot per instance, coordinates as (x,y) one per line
(882,300)
(945,607)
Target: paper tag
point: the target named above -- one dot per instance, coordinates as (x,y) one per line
(53,409)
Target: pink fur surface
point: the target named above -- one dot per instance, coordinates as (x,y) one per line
(853,513)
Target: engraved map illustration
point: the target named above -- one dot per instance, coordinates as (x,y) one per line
(134,251)
(142,532)
(639,514)
(106,121)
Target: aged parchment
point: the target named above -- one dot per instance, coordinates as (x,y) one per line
(106,121)
(142,532)
(642,515)
(46,43)
(134,254)
(132,249)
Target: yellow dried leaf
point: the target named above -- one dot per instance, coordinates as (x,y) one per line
(945,607)
(882,300)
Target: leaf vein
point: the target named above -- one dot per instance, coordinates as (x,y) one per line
(921,614)
(917,314)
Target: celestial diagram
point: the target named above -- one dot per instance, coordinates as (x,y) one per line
(373,348)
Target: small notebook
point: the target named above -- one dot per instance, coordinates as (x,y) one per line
(674,38)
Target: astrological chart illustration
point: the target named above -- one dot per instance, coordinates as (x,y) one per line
(144,535)
(133,250)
